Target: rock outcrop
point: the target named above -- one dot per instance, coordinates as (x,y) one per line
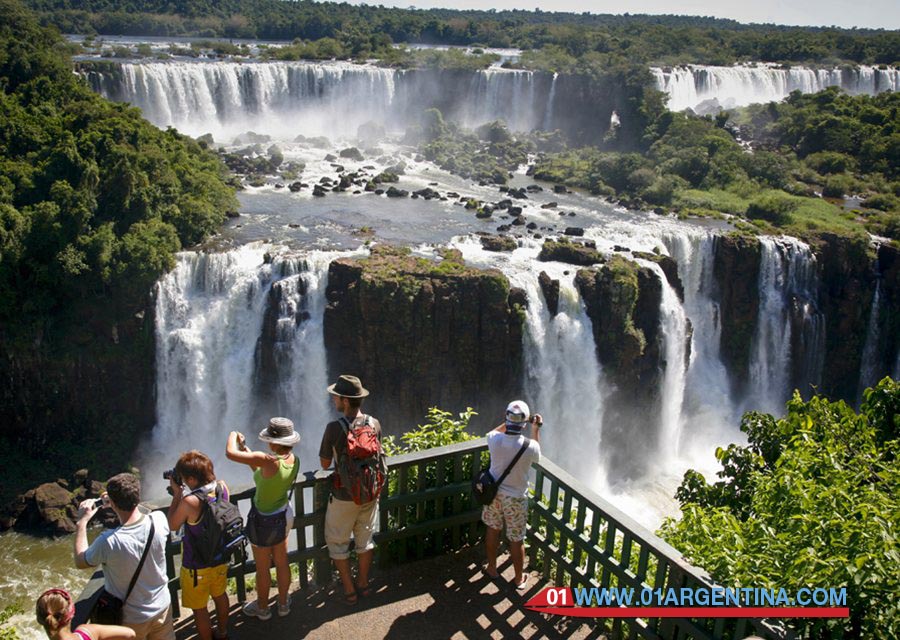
(420,334)
(736,265)
(563,250)
(52,508)
(623,300)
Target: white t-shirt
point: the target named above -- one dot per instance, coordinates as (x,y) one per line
(503,449)
(119,551)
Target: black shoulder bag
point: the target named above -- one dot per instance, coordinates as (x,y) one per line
(108,608)
(485,488)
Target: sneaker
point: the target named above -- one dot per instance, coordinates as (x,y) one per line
(253,609)
(284,609)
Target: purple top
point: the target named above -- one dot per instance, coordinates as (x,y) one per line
(193,530)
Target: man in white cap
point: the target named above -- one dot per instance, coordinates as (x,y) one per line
(510,507)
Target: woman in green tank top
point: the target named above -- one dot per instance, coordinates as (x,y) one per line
(271,516)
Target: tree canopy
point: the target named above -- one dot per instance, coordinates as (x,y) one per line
(94,200)
(813,500)
(611,39)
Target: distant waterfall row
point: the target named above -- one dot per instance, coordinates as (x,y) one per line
(284,99)
(707,89)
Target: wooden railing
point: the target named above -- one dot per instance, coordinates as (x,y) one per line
(578,539)
(575,537)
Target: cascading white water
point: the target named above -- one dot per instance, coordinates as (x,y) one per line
(771,346)
(562,375)
(551,100)
(283,99)
(788,291)
(708,403)
(709,88)
(209,319)
(803,289)
(674,325)
(868,373)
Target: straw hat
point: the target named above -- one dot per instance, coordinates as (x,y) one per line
(280,431)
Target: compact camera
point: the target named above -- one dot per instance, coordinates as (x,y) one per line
(171,474)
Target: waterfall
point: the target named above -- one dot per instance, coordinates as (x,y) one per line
(808,348)
(563,378)
(548,114)
(211,312)
(708,88)
(283,99)
(868,375)
(708,406)
(789,326)
(675,331)
(770,350)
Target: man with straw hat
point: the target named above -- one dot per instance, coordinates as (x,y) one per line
(353,505)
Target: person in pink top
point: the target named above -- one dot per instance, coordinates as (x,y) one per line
(56,608)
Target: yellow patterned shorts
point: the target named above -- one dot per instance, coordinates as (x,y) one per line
(210,583)
(510,511)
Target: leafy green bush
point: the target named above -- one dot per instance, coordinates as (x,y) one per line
(838,186)
(827,162)
(883,202)
(440,429)
(8,632)
(772,208)
(813,500)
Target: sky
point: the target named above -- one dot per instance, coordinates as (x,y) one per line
(875,14)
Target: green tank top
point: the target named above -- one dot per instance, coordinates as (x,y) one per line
(272,493)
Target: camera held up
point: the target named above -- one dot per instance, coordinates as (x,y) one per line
(174,476)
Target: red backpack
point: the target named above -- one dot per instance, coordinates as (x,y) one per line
(362,468)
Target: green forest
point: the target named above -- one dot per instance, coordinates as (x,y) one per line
(810,500)
(567,38)
(94,200)
(94,204)
(828,144)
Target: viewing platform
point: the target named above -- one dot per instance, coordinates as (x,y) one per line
(428,579)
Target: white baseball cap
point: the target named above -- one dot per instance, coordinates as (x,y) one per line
(517,412)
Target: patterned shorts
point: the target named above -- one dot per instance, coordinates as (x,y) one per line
(509,510)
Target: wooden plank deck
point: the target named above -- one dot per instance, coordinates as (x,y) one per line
(444,597)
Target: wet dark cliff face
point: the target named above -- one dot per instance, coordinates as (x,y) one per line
(420,335)
(846,290)
(889,312)
(80,399)
(736,272)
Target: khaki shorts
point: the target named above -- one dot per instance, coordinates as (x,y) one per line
(513,512)
(344,517)
(159,627)
(211,583)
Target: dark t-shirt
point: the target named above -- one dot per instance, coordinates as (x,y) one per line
(334,443)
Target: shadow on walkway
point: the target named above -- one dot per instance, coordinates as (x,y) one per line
(444,597)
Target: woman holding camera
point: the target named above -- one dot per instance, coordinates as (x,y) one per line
(271,516)
(204,574)
(54,612)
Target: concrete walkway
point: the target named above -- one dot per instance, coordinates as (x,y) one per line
(446,597)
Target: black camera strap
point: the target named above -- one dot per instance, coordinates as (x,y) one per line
(140,566)
(514,461)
